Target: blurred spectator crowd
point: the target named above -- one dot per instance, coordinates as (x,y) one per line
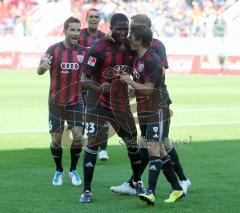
(175,18)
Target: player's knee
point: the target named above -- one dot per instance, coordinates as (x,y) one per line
(92,149)
(92,142)
(77,133)
(153,148)
(131,143)
(142,142)
(77,142)
(56,139)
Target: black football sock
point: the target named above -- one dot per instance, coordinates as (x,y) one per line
(135,159)
(57,156)
(169,173)
(176,164)
(144,159)
(89,162)
(75,154)
(104,138)
(155,164)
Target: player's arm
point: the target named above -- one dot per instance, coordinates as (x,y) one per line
(44,65)
(88,84)
(145,89)
(108,37)
(160,50)
(91,67)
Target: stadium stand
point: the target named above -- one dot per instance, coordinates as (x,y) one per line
(198,34)
(176,18)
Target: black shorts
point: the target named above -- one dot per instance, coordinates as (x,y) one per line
(155,125)
(122,122)
(73,115)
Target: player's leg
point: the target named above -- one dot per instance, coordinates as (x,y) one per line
(143,148)
(178,169)
(170,175)
(155,164)
(56,126)
(128,187)
(170,149)
(103,154)
(154,146)
(167,166)
(94,124)
(75,120)
(127,131)
(143,145)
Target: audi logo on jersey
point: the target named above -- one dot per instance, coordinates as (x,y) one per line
(69,66)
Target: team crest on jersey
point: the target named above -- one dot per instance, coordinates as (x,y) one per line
(140,67)
(91,61)
(80,58)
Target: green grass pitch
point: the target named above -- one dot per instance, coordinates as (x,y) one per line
(205,131)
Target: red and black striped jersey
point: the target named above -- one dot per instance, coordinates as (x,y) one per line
(159,48)
(88,40)
(148,69)
(104,62)
(65,73)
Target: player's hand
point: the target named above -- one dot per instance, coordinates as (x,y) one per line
(131,92)
(108,37)
(106,87)
(125,77)
(45,65)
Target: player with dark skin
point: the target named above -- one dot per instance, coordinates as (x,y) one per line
(104,63)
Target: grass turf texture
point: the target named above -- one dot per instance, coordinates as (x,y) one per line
(206,108)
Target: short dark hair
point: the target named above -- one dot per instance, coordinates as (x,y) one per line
(70,20)
(142,19)
(144,33)
(93,9)
(118,17)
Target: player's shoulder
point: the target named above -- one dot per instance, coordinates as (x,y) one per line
(83,30)
(55,45)
(157,43)
(150,54)
(101,33)
(151,57)
(81,47)
(99,45)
